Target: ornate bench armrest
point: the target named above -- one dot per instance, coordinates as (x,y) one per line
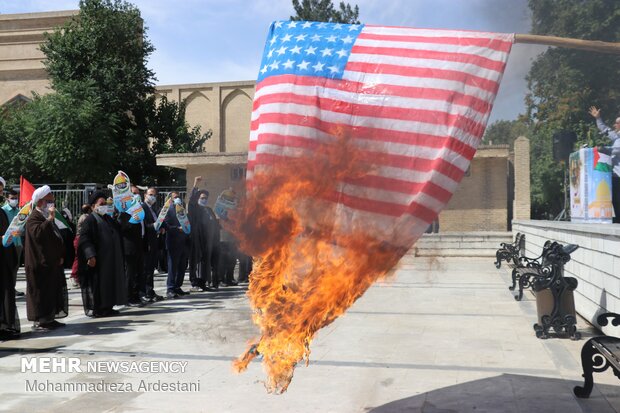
(530,262)
(602,319)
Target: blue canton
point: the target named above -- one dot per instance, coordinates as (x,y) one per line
(308,49)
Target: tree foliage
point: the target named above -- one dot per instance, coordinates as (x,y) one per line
(17,150)
(172,134)
(564,83)
(107,45)
(67,146)
(504,132)
(324,11)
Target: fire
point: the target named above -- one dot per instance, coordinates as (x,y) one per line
(308,268)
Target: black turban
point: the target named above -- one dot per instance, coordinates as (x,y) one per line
(95,196)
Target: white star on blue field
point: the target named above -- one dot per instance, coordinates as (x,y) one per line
(308,48)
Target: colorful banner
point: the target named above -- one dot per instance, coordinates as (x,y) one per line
(16,227)
(590,186)
(226,201)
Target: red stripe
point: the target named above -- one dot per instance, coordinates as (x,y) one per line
(376,134)
(380,68)
(494,44)
(479,61)
(365,204)
(477,104)
(405,162)
(405,187)
(372,181)
(384,208)
(373,111)
(307,81)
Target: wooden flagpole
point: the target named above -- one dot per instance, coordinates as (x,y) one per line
(590,45)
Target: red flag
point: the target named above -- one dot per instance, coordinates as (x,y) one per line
(25,191)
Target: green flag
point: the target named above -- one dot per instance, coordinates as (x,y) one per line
(60,221)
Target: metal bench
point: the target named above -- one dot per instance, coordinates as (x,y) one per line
(510,252)
(598,354)
(554,294)
(527,269)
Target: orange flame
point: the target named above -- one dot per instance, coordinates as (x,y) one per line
(308,269)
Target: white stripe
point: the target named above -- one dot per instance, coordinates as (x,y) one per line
(374,79)
(407,31)
(398,198)
(373,99)
(410,175)
(441,131)
(401,231)
(500,57)
(392,148)
(409,62)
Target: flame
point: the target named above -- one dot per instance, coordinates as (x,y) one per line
(308,268)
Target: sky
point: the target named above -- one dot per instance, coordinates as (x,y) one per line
(201,41)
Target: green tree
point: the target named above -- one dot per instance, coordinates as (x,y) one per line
(504,132)
(17,151)
(103,115)
(324,11)
(105,49)
(564,83)
(77,147)
(171,134)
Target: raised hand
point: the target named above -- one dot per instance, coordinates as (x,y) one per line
(596,113)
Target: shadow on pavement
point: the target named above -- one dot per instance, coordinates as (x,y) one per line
(508,393)
(9,351)
(168,308)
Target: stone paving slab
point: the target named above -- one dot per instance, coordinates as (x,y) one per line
(442,335)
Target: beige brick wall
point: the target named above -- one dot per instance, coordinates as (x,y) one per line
(21,62)
(522,202)
(225,108)
(481,201)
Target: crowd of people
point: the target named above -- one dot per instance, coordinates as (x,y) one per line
(114,259)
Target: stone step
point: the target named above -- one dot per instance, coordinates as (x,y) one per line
(455,252)
(460,244)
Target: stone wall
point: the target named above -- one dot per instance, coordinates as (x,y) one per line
(223,108)
(521,161)
(596,264)
(22,71)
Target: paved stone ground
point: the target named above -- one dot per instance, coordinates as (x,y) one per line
(443,335)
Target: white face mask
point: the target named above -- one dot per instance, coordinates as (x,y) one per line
(13,202)
(150,199)
(177,201)
(101,209)
(45,208)
(202,202)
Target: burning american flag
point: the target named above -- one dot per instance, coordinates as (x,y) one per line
(359,137)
